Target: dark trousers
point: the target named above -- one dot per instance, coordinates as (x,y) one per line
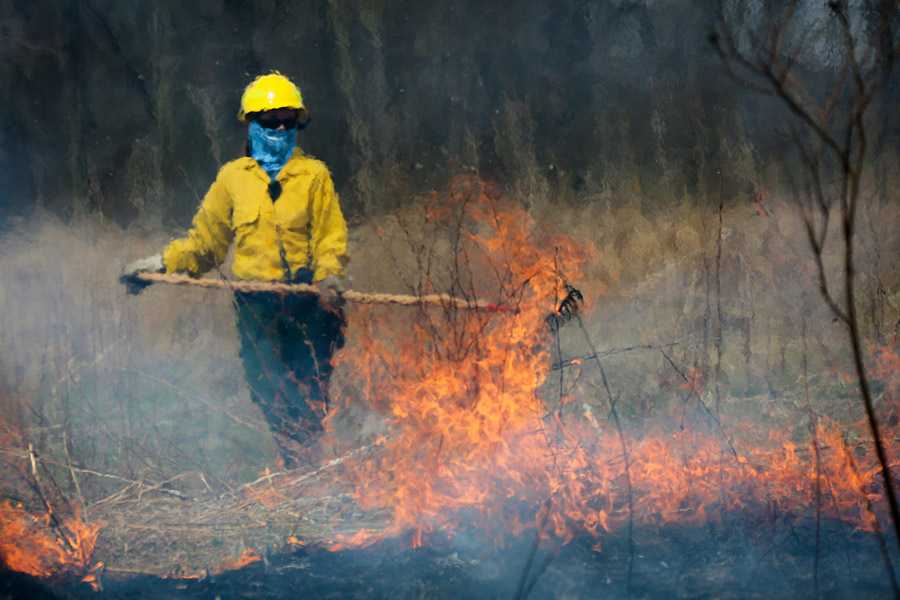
(287,342)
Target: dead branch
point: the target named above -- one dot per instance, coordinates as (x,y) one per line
(295,480)
(31,456)
(577,360)
(815,444)
(625,454)
(844,134)
(72,472)
(693,392)
(39,490)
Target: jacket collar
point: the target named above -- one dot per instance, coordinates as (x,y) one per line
(293,166)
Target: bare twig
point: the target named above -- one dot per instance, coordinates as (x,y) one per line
(577,360)
(845,136)
(74,478)
(294,480)
(255,426)
(539,571)
(625,455)
(815,443)
(39,490)
(693,392)
(140,484)
(718,275)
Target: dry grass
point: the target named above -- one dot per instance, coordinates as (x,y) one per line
(144,395)
(188,536)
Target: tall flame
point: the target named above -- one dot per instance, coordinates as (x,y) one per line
(473,445)
(459,390)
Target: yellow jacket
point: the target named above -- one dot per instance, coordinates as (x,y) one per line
(305,224)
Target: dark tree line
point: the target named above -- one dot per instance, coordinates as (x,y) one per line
(127,108)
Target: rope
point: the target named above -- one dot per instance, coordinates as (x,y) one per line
(349,295)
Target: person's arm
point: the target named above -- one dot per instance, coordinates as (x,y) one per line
(328,231)
(206,243)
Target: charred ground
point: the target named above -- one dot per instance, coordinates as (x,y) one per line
(701,406)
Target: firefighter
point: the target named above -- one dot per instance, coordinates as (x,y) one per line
(278,205)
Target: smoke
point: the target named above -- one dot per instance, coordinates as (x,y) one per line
(608,122)
(151,386)
(105,376)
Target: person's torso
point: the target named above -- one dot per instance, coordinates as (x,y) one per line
(272,237)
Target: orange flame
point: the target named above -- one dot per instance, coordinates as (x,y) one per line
(247,557)
(29,544)
(472,442)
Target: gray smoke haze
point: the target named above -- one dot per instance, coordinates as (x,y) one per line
(611,122)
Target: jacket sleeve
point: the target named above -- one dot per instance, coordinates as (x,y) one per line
(206,243)
(328,230)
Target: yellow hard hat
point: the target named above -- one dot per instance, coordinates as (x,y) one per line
(268,92)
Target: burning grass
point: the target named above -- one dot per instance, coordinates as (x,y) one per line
(471,434)
(46,546)
(630,413)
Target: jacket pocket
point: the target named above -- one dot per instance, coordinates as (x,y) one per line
(245,213)
(245,222)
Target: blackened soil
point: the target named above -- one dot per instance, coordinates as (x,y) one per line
(753,560)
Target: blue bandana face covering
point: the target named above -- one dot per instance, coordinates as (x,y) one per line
(271,147)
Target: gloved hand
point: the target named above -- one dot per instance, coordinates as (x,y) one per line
(128,276)
(330,290)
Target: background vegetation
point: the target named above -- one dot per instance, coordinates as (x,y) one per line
(610,122)
(126,109)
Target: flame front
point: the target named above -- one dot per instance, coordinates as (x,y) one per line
(459,388)
(472,444)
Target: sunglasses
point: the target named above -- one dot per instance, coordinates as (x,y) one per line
(275,123)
